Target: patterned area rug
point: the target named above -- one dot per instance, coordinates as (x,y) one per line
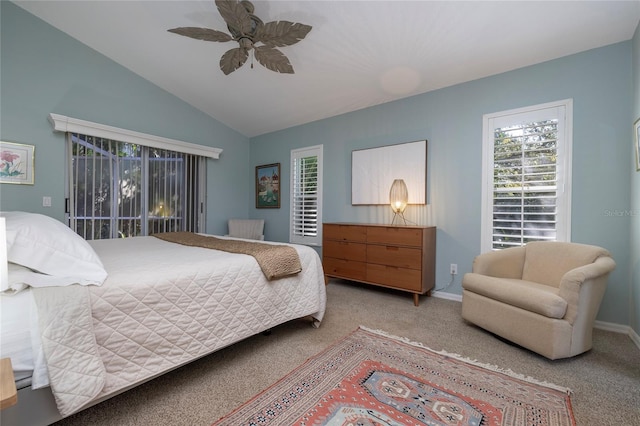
(370,378)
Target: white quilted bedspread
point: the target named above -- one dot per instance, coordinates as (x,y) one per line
(162,306)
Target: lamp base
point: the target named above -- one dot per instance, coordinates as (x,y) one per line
(401,214)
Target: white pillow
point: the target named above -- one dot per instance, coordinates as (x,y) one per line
(46,245)
(17,278)
(20,278)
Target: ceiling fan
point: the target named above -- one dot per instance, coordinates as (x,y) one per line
(252,35)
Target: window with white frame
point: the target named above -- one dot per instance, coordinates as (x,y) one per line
(122,183)
(526,175)
(306,196)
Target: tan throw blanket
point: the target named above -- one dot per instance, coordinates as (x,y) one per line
(275,260)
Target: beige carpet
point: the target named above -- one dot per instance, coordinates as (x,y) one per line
(605,381)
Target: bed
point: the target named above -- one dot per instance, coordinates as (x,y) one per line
(101,317)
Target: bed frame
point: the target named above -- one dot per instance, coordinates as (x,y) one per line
(24,414)
(220,297)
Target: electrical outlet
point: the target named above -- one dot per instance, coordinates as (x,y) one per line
(454,268)
(46,201)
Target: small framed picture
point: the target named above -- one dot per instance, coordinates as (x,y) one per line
(268,186)
(636,132)
(16,163)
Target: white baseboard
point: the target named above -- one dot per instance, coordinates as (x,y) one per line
(602,325)
(634,337)
(610,326)
(448,296)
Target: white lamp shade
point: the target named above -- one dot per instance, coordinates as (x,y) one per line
(398,196)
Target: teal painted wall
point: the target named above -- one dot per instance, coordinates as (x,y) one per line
(635,197)
(43,70)
(600,83)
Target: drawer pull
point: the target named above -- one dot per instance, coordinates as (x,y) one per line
(393,248)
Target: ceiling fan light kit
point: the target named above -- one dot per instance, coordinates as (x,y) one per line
(252,35)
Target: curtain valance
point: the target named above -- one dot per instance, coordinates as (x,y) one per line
(62,123)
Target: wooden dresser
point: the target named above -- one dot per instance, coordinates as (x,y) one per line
(399,257)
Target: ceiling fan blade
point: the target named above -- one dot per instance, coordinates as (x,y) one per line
(273,59)
(232,60)
(282,33)
(206,34)
(235,15)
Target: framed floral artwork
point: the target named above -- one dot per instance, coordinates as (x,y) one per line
(268,186)
(16,163)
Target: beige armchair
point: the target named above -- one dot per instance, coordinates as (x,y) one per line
(252,229)
(543,296)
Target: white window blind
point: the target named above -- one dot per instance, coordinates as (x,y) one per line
(120,189)
(527,171)
(124,183)
(306,196)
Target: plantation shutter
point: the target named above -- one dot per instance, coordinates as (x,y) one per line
(528,176)
(306,196)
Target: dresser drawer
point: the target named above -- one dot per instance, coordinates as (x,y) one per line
(402,257)
(391,276)
(344,268)
(355,233)
(394,256)
(345,250)
(392,235)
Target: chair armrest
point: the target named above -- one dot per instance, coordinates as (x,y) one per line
(586,282)
(507,263)
(602,266)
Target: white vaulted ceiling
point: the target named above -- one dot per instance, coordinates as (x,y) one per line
(358,54)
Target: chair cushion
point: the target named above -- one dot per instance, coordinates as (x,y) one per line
(538,298)
(546,262)
(246,228)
